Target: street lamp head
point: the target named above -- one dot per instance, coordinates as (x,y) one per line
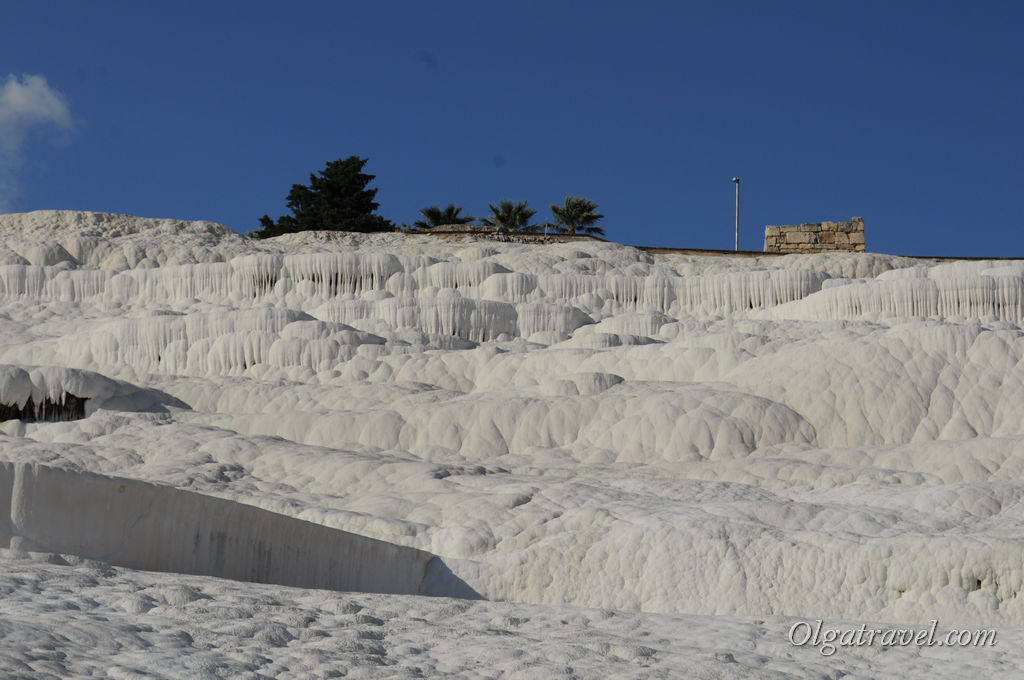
(736,179)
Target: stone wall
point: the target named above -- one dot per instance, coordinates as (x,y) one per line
(815,237)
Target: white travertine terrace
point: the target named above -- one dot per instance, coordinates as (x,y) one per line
(835,436)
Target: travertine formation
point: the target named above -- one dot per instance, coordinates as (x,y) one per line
(815,237)
(158,527)
(627,453)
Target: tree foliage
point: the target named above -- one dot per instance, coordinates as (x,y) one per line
(577,215)
(336,199)
(509,216)
(435,216)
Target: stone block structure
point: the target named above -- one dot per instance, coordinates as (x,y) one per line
(817,237)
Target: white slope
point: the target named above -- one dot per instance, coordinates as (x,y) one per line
(567,425)
(63,617)
(149,526)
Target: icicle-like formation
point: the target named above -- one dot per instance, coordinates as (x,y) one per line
(458,275)
(511,287)
(207,282)
(255,275)
(473,253)
(451,314)
(638,323)
(747,290)
(979,297)
(536,317)
(35,393)
(245,278)
(568,286)
(453,298)
(68,407)
(23,281)
(317,355)
(342,273)
(402,284)
(250,279)
(81,284)
(180,344)
(723,293)
(447,314)
(15,385)
(317,345)
(411,263)
(966,268)
(229,353)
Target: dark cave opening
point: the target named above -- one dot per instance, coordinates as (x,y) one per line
(69,407)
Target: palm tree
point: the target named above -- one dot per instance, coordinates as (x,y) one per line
(577,213)
(437,217)
(510,216)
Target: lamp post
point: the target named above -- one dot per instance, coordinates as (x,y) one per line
(736,180)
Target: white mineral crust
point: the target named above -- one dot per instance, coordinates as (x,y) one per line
(607,463)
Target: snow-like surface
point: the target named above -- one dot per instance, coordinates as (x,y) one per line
(73,618)
(149,526)
(644,465)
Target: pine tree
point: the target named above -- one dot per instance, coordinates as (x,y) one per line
(336,199)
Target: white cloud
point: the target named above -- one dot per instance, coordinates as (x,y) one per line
(26,103)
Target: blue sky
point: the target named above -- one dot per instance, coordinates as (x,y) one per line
(906,113)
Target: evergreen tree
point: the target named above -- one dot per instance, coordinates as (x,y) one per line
(577,215)
(509,216)
(437,217)
(337,199)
